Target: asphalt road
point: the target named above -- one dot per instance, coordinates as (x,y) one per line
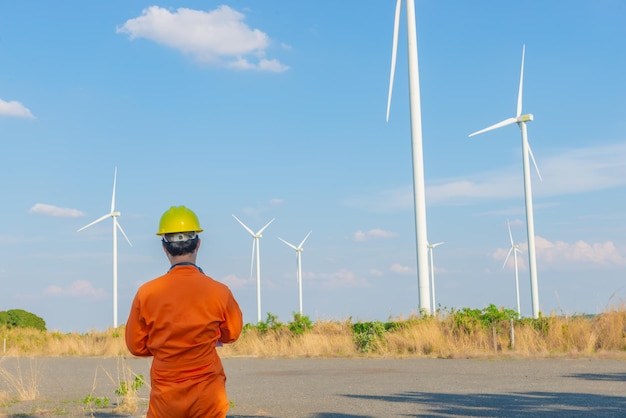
(351,388)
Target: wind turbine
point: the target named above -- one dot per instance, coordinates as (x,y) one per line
(299,264)
(526,152)
(514,249)
(114,215)
(419,194)
(432,272)
(256,243)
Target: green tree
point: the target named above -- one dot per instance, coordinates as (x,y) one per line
(19,318)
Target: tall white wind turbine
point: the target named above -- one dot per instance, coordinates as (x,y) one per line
(514,249)
(298,264)
(256,253)
(114,215)
(526,153)
(419,194)
(432,272)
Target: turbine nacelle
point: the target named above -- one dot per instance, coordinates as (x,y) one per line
(525,118)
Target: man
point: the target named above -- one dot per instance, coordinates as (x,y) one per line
(178,319)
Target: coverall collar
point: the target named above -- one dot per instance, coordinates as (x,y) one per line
(186,263)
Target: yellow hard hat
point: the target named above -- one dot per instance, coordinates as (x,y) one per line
(178,219)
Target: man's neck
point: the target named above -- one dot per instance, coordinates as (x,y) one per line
(187,258)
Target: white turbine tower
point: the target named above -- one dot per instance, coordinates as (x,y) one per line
(419,194)
(256,243)
(114,215)
(526,153)
(432,272)
(298,264)
(514,249)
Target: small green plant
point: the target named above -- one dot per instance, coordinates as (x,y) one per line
(300,324)
(125,388)
(368,335)
(92,401)
(271,323)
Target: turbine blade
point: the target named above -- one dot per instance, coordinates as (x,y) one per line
(244,225)
(521,82)
(394,53)
(505,122)
(437,244)
(532,157)
(507,257)
(100,219)
(113,197)
(510,234)
(117,224)
(289,244)
(252,258)
(302,243)
(262,229)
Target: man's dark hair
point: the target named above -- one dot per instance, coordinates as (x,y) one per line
(181,247)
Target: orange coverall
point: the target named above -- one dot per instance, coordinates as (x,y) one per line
(178,319)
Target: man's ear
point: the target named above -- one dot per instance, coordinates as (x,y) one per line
(198,245)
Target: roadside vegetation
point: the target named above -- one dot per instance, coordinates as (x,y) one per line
(450,333)
(491,332)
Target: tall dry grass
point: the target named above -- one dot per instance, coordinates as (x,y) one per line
(602,335)
(24,381)
(31,342)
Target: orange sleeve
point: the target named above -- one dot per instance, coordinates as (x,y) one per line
(230,328)
(137,331)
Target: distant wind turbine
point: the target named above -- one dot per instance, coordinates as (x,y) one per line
(298,264)
(114,215)
(526,152)
(432,272)
(256,243)
(419,194)
(514,249)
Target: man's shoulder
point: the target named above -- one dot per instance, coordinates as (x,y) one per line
(216,283)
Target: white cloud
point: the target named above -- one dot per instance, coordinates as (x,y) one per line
(372,234)
(601,253)
(79,288)
(400,269)
(15,109)
(50,210)
(235,282)
(572,171)
(569,172)
(219,37)
(567,254)
(339,279)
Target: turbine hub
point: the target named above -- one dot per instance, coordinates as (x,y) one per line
(525,118)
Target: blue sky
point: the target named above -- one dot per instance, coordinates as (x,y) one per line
(276,109)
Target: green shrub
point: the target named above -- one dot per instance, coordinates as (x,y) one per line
(19,318)
(300,324)
(368,335)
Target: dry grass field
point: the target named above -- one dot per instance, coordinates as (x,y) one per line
(456,334)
